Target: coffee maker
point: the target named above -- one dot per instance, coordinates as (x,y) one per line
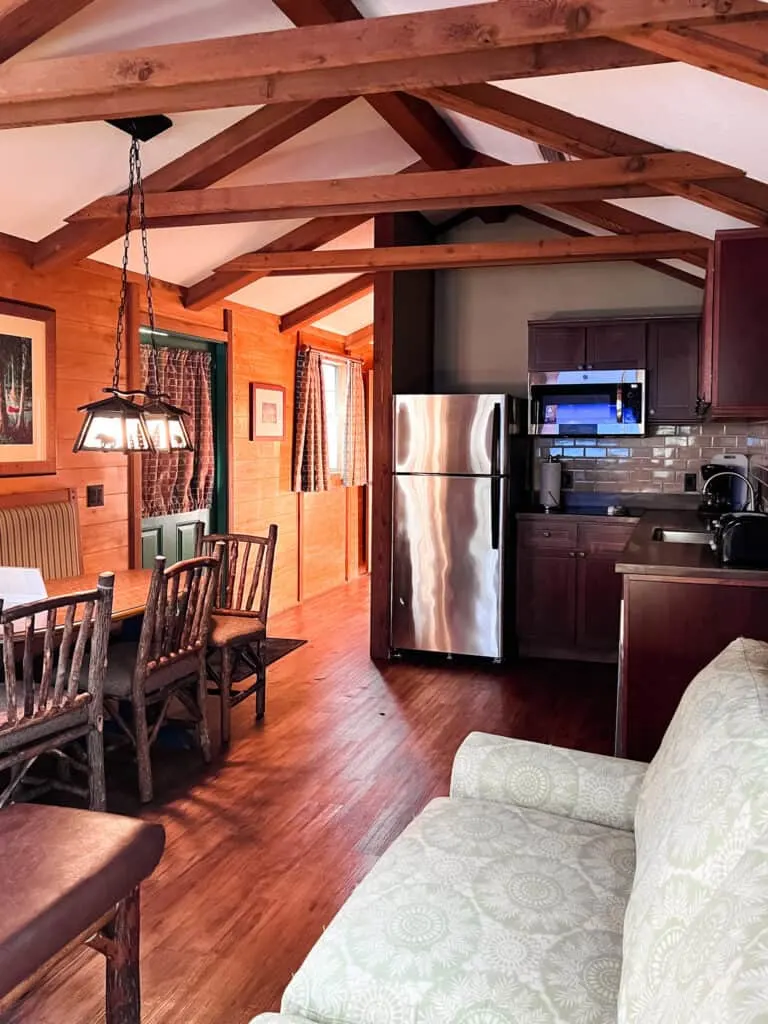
(725,485)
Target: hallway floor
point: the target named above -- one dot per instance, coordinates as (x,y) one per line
(265,846)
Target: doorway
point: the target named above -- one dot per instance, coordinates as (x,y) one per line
(181,489)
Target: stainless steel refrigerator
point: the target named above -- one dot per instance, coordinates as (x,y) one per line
(459,471)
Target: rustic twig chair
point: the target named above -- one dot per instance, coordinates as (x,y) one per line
(43,712)
(169,660)
(239,625)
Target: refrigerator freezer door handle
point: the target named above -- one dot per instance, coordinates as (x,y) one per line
(496,440)
(495,511)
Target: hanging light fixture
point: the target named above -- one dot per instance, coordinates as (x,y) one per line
(119,423)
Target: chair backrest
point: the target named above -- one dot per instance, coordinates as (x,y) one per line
(42,531)
(246,571)
(64,627)
(178,612)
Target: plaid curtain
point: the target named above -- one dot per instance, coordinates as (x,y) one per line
(173,482)
(310,443)
(355,467)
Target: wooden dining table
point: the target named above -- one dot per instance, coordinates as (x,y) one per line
(130,596)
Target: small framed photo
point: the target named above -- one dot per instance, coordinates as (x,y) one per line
(267,412)
(27,389)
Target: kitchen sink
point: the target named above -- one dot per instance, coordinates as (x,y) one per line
(682,536)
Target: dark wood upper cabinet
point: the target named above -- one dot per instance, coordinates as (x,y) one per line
(672,370)
(553,347)
(616,345)
(736,337)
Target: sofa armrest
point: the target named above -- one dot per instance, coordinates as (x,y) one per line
(574,783)
(279,1018)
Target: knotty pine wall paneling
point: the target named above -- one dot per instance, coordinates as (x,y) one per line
(85,299)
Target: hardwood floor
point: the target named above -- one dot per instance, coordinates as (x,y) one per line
(263,848)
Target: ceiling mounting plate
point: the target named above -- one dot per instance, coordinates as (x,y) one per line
(142,128)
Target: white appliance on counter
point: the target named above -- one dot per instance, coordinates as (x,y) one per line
(460,471)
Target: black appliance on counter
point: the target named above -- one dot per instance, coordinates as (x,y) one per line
(724,487)
(741,540)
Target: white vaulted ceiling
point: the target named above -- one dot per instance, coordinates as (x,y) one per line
(46,173)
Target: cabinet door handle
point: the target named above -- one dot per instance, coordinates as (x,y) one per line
(546,533)
(581,554)
(571,554)
(589,366)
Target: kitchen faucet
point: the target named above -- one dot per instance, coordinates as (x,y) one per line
(741,476)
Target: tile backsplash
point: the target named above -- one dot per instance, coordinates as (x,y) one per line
(654,463)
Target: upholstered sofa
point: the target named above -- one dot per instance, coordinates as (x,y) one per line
(560,887)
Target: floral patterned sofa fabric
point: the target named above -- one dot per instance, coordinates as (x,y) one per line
(696,931)
(573,783)
(557,887)
(479,911)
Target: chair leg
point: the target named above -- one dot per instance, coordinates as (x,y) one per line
(202,724)
(261,689)
(225,688)
(97,783)
(123,983)
(141,730)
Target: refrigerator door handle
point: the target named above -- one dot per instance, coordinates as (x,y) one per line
(495,512)
(496,440)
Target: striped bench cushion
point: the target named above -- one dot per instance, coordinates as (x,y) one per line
(45,537)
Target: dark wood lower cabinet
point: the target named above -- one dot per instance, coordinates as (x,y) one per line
(546,598)
(672,629)
(598,601)
(568,591)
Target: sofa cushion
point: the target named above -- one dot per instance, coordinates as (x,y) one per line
(479,911)
(696,931)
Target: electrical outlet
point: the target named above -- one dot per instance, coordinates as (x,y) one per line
(690,483)
(94,495)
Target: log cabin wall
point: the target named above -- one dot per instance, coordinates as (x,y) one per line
(316,533)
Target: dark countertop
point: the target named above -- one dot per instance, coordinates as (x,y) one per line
(648,557)
(597,517)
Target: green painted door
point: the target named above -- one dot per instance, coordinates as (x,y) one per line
(173,535)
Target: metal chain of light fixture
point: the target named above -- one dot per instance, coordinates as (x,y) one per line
(121,311)
(153,376)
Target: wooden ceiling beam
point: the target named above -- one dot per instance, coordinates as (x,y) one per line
(327,303)
(211,161)
(320,231)
(415,121)
(412,51)
(431,190)
(743,197)
(22,22)
(570,229)
(702,49)
(224,281)
(476,254)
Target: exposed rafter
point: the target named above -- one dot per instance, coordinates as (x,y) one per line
(570,229)
(327,303)
(743,198)
(447,46)
(746,61)
(24,21)
(476,254)
(415,121)
(432,190)
(226,152)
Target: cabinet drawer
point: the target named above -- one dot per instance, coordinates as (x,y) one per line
(599,538)
(548,534)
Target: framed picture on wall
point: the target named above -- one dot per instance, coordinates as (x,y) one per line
(267,412)
(27,389)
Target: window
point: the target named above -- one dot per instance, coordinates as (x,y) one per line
(334,373)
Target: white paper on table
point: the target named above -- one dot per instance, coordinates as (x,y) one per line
(20,586)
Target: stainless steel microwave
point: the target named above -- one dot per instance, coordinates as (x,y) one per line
(587,403)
